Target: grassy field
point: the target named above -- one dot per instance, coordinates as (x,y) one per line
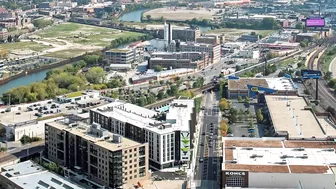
(54,41)
(23,46)
(65,54)
(238,32)
(84,34)
(180,14)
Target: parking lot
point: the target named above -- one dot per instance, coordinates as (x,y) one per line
(27,112)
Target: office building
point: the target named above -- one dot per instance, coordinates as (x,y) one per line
(277,163)
(106,158)
(28,174)
(214,51)
(123,56)
(183,34)
(164,138)
(3,34)
(292,117)
(251,87)
(168,60)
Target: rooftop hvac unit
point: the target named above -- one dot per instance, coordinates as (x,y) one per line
(231,161)
(299,149)
(329,149)
(281,162)
(248,148)
(232,147)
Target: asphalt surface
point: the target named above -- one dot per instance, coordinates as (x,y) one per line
(206,174)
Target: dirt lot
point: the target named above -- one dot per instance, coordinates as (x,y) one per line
(180,14)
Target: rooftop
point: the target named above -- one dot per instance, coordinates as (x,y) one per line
(272,83)
(31,175)
(293,115)
(99,136)
(118,50)
(178,115)
(276,155)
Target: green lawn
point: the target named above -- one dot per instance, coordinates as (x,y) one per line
(17,46)
(65,54)
(84,34)
(74,94)
(238,32)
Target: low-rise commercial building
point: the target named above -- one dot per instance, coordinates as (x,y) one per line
(307,36)
(168,60)
(208,39)
(280,163)
(122,56)
(248,53)
(76,96)
(106,158)
(249,38)
(28,174)
(164,138)
(3,34)
(232,46)
(214,51)
(292,117)
(251,87)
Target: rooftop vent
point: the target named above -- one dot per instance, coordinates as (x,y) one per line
(256,156)
(299,149)
(329,149)
(232,147)
(281,162)
(248,148)
(231,161)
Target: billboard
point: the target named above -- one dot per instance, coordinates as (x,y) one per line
(311,74)
(185,146)
(315,22)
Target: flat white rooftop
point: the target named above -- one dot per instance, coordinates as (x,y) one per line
(277,155)
(31,175)
(288,113)
(281,84)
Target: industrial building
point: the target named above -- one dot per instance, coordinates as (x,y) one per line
(214,51)
(251,87)
(173,60)
(292,117)
(277,163)
(106,158)
(164,138)
(210,39)
(29,174)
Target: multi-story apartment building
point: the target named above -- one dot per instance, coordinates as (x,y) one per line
(193,60)
(164,138)
(123,56)
(214,51)
(106,158)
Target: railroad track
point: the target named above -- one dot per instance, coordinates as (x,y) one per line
(325,97)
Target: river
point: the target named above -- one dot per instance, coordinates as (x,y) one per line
(134,16)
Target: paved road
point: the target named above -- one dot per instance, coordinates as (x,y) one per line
(207,171)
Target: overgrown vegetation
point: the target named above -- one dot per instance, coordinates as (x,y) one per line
(25,139)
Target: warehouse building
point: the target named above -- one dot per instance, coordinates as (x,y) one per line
(277,163)
(292,117)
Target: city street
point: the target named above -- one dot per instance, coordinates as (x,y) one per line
(207,165)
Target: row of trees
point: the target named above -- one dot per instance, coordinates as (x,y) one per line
(124,40)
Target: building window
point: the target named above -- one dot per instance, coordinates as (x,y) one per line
(130,177)
(235,181)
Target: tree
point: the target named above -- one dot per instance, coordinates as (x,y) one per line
(299,26)
(233,115)
(332,83)
(25,139)
(240,99)
(3,53)
(223,126)
(91,59)
(303,44)
(238,68)
(223,104)
(327,75)
(148,17)
(173,90)
(157,68)
(160,94)
(95,75)
(142,101)
(260,117)
(114,83)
